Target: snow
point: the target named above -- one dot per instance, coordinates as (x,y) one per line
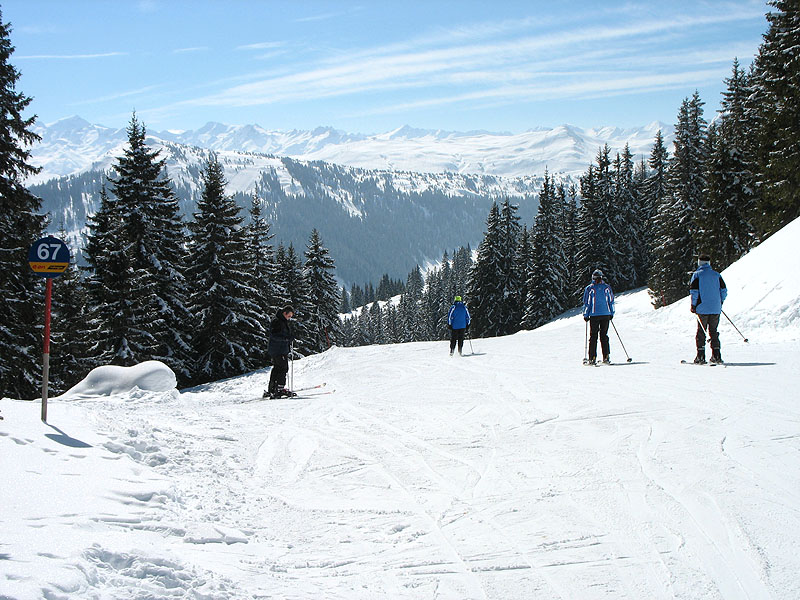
(72,146)
(511,472)
(109,380)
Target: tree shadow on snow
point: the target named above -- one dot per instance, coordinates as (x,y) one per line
(64,439)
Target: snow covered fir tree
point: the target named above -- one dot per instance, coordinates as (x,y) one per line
(21,224)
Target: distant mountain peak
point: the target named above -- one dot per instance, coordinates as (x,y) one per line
(73,145)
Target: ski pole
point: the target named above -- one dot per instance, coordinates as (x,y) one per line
(469,337)
(291,366)
(620,341)
(735,327)
(586,344)
(704,328)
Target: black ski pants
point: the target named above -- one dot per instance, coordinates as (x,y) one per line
(708,323)
(277,376)
(598,326)
(456,335)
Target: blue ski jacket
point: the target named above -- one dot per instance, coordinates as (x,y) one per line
(708,291)
(598,300)
(458,317)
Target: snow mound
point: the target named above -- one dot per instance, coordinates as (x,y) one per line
(110,380)
(765,284)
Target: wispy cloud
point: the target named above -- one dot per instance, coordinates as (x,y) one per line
(118,95)
(190,50)
(507,61)
(69,56)
(261,46)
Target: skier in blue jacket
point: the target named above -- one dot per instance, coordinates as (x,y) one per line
(458,321)
(598,309)
(708,292)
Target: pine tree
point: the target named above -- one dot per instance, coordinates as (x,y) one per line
(643,217)
(344,306)
(262,275)
(69,362)
(625,224)
(676,223)
(723,227)
(21,225)
(485,285)
(513,274)
(654,194)
(595,231)
(572,282)
(776,91)
(227,322)
(297,294)
(107,283)
(546,280)
(409,316)
(147,242)
(323,320)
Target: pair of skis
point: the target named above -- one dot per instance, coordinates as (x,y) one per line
(304,392)
(702,364)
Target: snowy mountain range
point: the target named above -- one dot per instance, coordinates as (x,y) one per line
(72,146)
(382,203)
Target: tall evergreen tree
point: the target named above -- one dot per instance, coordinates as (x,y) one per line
(297,294)
(643,216)
(654,194)
(624,214)
(485,285)
(21,224)
(107,283)
(323,320)
(676,219)
(227,322)
(546,280)
(149,234)
(513,273)
(572,282)
(595,221)
(262,275)
(776,91)
(344,306)
(69,350)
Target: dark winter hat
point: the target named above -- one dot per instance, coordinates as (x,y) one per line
(598,274)
(704,257)
(288,309)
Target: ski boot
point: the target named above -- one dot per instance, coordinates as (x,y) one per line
(606,360)
(700,359)
(716,356)
(592,361)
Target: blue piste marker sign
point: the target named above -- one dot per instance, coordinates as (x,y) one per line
(48,257)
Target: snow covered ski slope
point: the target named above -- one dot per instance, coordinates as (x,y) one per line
(515,472)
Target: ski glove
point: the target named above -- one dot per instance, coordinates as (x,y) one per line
(693,309)
(585,318)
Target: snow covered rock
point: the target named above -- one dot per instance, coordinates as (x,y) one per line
(110,380)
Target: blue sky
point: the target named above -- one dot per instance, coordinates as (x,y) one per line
(376,65)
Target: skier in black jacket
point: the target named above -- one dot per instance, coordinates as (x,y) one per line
(280,344)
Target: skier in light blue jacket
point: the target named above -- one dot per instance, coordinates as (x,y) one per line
(458,321)
(708,291)
(598,309)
